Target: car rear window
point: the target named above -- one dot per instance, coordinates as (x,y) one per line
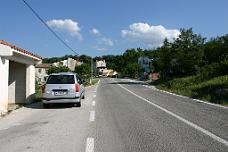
(60,79)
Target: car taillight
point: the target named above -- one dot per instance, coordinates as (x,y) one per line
(43,88)
(76,88)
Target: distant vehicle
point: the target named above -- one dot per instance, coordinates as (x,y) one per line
(63,88)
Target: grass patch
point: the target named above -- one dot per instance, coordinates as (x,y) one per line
(38,93)
(214,90)
(94,81)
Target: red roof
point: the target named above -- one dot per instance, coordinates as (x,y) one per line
(19,49)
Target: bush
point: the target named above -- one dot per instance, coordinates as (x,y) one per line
(214,90)
(84,71)
(214,70)
(58,69)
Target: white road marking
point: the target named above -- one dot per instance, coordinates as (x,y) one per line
(93,103)
(94,96)
(197,100)
(213,136)
(92,116)
(5,128)
(89,145)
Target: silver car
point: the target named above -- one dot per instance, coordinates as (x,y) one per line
(63,88)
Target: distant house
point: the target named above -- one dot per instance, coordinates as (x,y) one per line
(17,75)
(101,67)
(70,63)
(110,73)
(144,63)
(41,72)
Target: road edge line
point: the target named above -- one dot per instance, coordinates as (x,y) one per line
(186,97)
(206,132)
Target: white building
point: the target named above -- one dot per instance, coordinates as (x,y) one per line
(70,63)
(101,66)
(17,75)
(41,72)
(144,63)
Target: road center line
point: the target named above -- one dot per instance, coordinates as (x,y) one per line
(213,136)
(89,145)
(92,116)
(93,103)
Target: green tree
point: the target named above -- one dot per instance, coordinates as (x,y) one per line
(54,69)
(85,59)
(216,50)
(83,70)
(183,57)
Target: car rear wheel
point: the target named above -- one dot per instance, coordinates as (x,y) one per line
(45,105)
(79,104)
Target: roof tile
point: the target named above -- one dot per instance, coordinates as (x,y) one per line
(19,49)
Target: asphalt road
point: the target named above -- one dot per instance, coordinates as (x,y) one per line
(118,116)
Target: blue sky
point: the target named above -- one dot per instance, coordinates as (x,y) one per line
(100,27)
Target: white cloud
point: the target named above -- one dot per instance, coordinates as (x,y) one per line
(102,41)
(95,31)
(106,41)
(149,34)
(99,48)
(66,25)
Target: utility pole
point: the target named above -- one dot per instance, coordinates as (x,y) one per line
(91,70)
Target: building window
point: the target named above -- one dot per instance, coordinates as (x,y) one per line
(39,70)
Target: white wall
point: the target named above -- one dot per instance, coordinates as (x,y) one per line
(30,82)
(5,50)
(17,86)
(4,72)
(17,81)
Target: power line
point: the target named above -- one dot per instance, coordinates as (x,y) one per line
(53,32)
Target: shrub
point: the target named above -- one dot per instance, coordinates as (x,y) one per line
(58,69)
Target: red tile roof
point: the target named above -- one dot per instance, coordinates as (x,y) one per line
(19,49)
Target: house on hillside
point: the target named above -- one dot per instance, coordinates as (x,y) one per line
(69,63)
(17,78)
(101,67)
(144,63)
(42,72)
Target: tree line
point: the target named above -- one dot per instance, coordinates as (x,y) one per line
(188,54)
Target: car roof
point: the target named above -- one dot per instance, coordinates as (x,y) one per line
(64,73)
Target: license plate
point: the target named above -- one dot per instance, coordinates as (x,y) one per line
(60,93)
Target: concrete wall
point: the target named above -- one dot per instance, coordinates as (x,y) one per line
(17,77)
(30,83)
(17,83)
(4,72)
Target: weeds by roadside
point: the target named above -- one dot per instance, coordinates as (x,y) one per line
(94,81)
(214,90)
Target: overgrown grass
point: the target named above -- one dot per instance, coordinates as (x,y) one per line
(38,93)
(214,90)
(94,81)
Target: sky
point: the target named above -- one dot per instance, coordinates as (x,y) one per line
(101,27)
